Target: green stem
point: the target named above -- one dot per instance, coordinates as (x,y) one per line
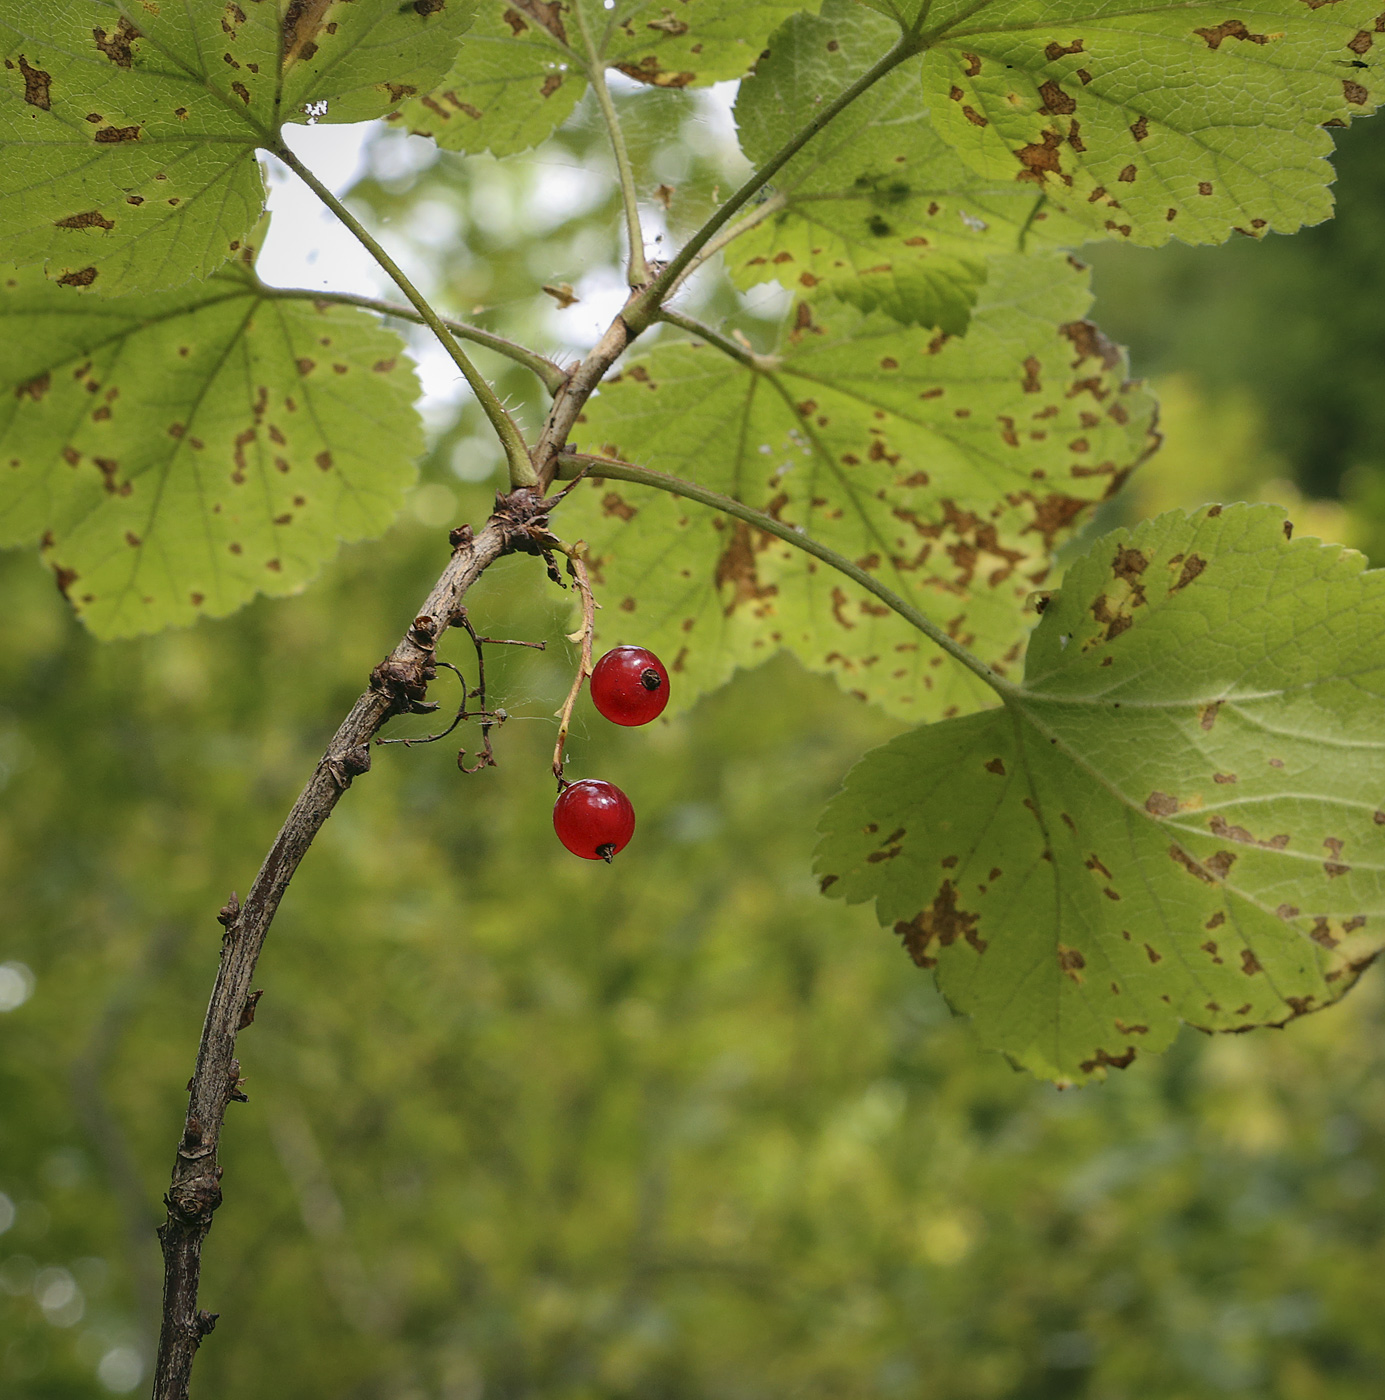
(725,344)
(552,375)
(574,464)
(766,210)
(640,315)
(517,454)
(637,271)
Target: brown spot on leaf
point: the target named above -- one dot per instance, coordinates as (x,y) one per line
(116,46)
(736,567)
(1230,29)
(1193,565)
(1216,921)
(36,85)
(1208,717)
(1287,911)
(116,135)
(1072,962)
(1321,933)
(91,219)
(34,388)
(1355,93)
(944,922)
(1041,158)
(1141,129)
(1056,100)
(84,277)
(1054,51)
(1103,1060)
(612,503)
(997,767)
(324,461)
(1181,857)
(649,71)
(1250,964)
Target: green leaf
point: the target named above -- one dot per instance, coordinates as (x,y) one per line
(1178,817)
(1151,120)
(513,84)
(947,467)
(130,130)
(177,454)
(877,209)
(522,71)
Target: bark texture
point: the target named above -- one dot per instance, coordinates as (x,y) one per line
(398,685)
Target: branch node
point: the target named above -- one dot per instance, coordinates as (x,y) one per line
(229,912)
(247,1011)
(206,1323)
(460,538)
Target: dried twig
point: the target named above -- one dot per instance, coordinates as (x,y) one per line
(577,569)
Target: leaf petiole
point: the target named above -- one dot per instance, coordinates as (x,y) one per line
(571,464)
(522,473)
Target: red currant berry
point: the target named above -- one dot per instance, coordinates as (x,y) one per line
(594,819)
(630,685)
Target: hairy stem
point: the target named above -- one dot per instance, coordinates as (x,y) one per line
(522,472)
(397,685)
(637,269)
(552,376)
(571,464)
(742,353)
(640,315)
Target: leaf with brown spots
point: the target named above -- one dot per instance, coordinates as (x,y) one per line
(130,147)
(1089,104)
(922,458)
(522,69)
(1119,848)
(878,210)
(229,495)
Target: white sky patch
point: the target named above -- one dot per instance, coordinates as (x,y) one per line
(307,246)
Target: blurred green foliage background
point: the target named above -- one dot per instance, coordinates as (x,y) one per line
(522,1127)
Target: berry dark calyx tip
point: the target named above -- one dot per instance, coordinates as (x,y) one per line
(607,852)
(650,678)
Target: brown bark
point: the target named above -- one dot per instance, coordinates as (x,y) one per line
(397,685)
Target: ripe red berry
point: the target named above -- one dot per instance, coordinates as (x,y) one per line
(594,819)
(630,685)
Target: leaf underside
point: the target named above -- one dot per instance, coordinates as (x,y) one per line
(130,130)
(948,467)
(176,454)
(1179,818)
(878,209)
(523,68)
(1150,120)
